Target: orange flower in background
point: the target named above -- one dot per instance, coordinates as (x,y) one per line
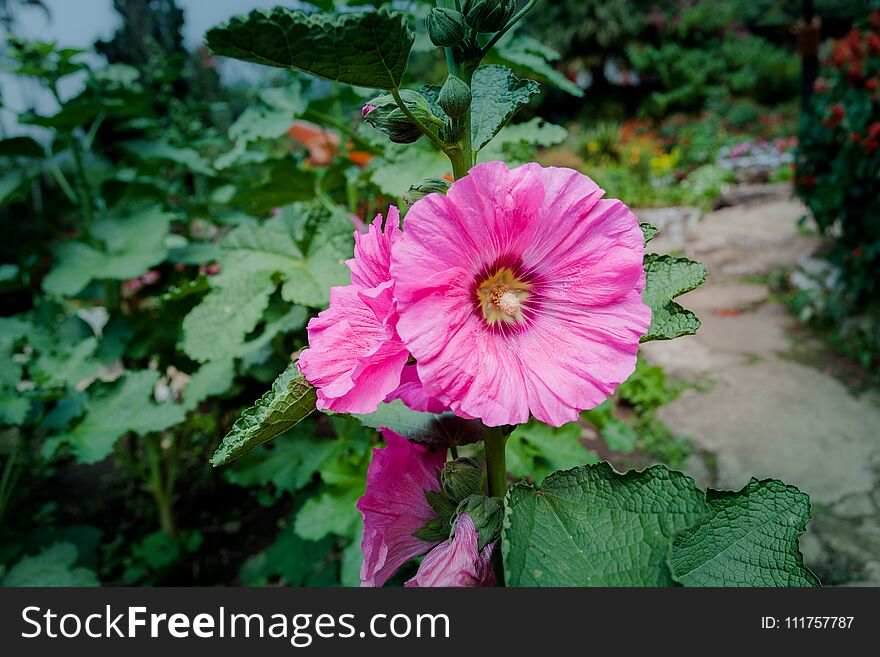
(323,144)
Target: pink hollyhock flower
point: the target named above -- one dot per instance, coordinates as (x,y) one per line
(394,506)
(457,562)
(355,357)
(519,292)
(412,393)
(366,109)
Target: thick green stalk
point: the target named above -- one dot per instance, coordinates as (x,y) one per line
(494,443)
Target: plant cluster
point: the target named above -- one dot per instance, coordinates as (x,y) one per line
(838,174)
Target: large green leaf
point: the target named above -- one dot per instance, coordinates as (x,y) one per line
(54,566)
(290,400)
(395,175)
(367,49)
(304,245)
(592,526)
(331,512)
(497,95)
(750,539)
(216,328)
(666,278)
(124,407)
(282,182)
(132,245)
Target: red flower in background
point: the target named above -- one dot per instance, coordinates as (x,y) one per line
(821,86)
(837,115)
(873,43)
(874,19)
(872,141)
(872,84)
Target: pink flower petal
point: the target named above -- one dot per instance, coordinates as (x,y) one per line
(394,506)
(372,251)
(412,393)
(458,562)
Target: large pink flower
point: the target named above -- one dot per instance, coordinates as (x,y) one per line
(457,562)
(355,357)
(394,506)
(519,292)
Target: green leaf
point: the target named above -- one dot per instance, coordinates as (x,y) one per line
(21,147)
(188,158)
(14,408)
(133,244)
(290,400)
(668,277)
(283,182)
(395,175)
(54,566)
(125,407)
(297,561)
(365,49)
(497,95)
(289,463)
(536,449)
(536,131)
(534,57)
(210,380)
(216,328)
(331,512)
(649,231)
(306,244)
(272,117)
(592,526)
(750,539)
(435,430)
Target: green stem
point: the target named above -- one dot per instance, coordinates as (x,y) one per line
(494,443)
(84,192)
(421,126)
(160,486)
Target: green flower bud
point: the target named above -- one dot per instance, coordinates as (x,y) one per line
(461,478)
(383,114)
(445,26)
(455,97)
(429,186)
(488,15)
(487,515)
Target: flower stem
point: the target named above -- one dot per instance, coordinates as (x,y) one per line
(395,93)
(494,441)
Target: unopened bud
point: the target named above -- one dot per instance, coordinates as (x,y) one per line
(429,186)
(488,15)
(445,26)
(455,97)
(461,478)
(384,114)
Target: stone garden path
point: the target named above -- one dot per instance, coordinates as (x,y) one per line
(757,410)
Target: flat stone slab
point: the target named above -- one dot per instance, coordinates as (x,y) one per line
(779,419)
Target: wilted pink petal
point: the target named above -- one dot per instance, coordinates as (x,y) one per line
(394,505)
(458,562)
(519,292)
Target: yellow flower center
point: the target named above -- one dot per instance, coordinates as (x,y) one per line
(502,297)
